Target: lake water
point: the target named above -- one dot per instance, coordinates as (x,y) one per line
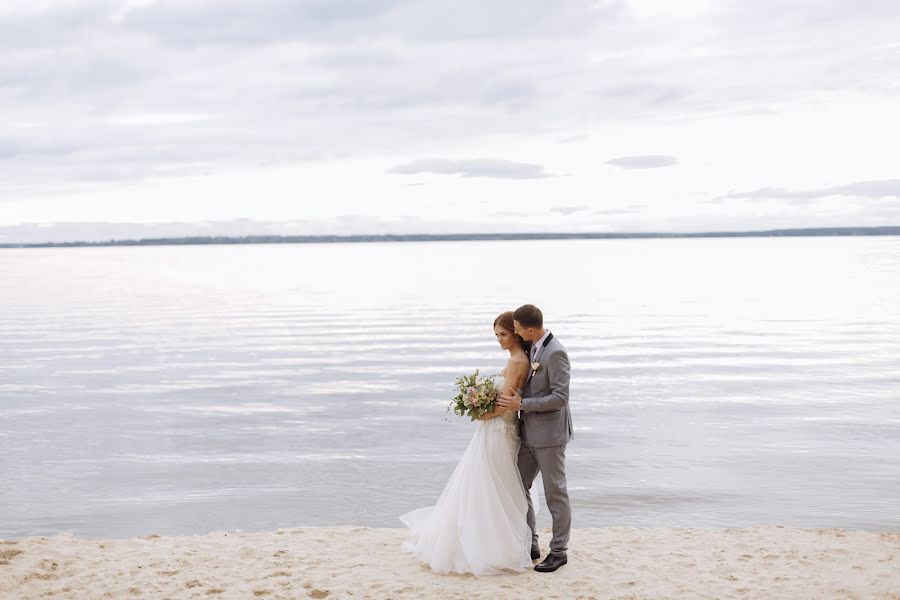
(185,389)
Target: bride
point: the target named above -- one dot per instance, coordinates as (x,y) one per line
(479,523)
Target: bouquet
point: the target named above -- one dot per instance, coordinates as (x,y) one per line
(476,395)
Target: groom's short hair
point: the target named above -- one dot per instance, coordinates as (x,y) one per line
(529,315)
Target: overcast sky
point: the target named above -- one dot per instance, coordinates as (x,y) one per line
(139,118)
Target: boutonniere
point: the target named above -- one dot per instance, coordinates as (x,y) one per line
(535,367)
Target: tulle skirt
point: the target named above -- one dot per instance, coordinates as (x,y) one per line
(479,523)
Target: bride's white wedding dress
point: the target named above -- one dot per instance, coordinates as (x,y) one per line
(479,522)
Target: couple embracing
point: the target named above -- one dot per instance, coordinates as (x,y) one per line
(484,521)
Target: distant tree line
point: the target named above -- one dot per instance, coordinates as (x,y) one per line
(458,237)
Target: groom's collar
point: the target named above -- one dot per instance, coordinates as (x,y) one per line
(548,335)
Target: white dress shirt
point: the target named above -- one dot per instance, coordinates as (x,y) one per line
(537,344)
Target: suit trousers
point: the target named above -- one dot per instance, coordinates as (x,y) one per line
(551,462)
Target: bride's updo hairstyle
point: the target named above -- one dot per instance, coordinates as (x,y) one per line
(505,320)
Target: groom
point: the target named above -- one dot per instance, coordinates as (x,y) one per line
(546,427)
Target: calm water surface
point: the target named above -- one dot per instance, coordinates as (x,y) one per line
(184,389)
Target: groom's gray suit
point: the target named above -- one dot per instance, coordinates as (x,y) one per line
(545,426)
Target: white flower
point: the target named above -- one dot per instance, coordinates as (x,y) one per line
(535,367)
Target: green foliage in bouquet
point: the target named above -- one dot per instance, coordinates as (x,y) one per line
(476,395)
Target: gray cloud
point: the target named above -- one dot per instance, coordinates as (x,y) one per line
(877,188)
(480,167)
(40,25)
(9,149)
(646,93)
(236,22)
(650,161)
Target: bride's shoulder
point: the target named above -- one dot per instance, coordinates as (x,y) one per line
(517,362)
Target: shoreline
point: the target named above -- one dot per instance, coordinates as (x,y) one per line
(361,562)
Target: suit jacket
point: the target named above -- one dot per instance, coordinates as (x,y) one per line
(545,419)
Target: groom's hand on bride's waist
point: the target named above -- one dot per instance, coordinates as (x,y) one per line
(513,402)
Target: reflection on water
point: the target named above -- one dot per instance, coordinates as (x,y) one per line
(716,382)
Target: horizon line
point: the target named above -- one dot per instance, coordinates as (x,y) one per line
(885,230)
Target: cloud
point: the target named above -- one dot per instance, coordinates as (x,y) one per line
(652,94)
(9,149)
(479,167)
(650,161)
(230,22)
(568,210)
(151,119)
(115,91)
(36,25)
(875,189)
(516,94)
(302,76)
(625,210)
(234,22)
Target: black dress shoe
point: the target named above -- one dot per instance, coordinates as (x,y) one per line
(551,563)
(535,553)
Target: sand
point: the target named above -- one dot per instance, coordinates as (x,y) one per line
(359,562)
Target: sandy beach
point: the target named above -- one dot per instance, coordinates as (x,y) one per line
(359,562)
